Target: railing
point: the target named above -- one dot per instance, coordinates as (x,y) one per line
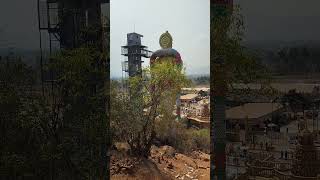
(125,66)
(43,14)
(244,176)
(235,160)
(260,155)
(262,164)
(274,171)
(143,52)
(48,14)
(146,53)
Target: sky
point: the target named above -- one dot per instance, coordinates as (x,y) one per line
(285,20)
(187,22)
(19,24)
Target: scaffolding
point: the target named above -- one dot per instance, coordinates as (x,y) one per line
(60,26)
(134,51)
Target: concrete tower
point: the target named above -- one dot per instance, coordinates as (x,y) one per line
(134,51)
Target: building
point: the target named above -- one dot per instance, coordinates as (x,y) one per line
(200,118)
(134,51)
(252,114)
(188,98)
(195,90)
(304,163)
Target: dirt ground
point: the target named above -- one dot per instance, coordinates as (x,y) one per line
(163,164)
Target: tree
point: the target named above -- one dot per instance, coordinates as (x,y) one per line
(79,124)
(60,138)
(232,64)
(296,101)
(154,93)
(19,134)
(241,66)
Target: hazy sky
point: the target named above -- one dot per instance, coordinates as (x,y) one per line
(19,24)
(187,22)
(284,20)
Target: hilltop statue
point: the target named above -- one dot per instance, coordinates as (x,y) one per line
(165,54)
(165,42)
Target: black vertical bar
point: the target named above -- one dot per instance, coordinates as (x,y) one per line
(41,54)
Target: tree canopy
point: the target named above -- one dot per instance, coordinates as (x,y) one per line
(133,116)
(62,135)
(238,64)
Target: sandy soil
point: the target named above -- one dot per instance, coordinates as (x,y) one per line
(164,163)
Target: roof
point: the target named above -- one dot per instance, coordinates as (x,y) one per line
(135,34)
(198,120)
(282,87)
(252,110)
(196,89)
(188,96)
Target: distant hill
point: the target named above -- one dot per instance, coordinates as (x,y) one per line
(30,57)
(287,57)
(200,79)
(191,76)
(274,45)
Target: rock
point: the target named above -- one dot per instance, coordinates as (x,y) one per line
(168,151)
(202,156)
(189,176)
(170,166)
(202,167)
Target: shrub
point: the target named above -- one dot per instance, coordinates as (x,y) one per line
(184,140)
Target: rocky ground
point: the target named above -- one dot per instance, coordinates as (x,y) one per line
(164,163)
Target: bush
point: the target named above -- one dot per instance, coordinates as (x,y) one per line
(134,113)
(184,140)
(202,139)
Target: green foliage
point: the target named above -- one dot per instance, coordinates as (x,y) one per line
(183,139)
(296,60)
(151,97)
(125,117)
(64,137)
(202,139)
(19,131)
(296,101)
(240,66)
(202,80)
(80,111)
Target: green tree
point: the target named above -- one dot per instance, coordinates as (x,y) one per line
(79,125)
(240,65)
(54,138)
(18,135)
(232,64)
(151,98)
